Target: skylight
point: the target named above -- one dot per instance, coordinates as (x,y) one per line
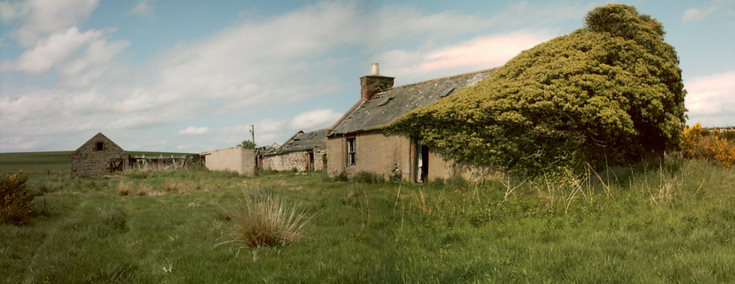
(447,92)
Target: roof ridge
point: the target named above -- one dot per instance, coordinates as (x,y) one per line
(440,78)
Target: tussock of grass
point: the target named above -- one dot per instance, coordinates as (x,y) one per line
(264,220)
(123,189)
(172,186)
(143,190)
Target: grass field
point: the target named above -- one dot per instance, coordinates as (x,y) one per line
(52,162)
(657,225)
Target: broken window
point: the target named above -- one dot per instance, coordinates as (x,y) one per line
(351,153)
(99,146)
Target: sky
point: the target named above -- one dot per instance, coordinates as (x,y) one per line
(192,76)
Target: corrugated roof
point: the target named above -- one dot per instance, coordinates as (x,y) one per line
(386,107)
(304,141)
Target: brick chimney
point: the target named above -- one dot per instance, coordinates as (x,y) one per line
(374,83)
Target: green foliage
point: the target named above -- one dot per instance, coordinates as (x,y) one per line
(604,95)
(342,176)
(367,177)
(15,198)
(247,144)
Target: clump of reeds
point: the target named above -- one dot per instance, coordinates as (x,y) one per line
(268,221)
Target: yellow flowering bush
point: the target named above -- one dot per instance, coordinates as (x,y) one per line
(715,145)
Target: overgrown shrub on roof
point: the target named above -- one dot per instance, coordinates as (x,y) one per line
(604,94)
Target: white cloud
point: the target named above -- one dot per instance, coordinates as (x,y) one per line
(143,8)
(191,130)
(267,132)
(10,11)
(41,17)
(476,54)
(51,51)
(695,14)
(711,99)
(314,119)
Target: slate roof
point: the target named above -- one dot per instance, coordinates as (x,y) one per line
(304,141)
(387,106)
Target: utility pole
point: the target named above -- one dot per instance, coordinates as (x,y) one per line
(252,132)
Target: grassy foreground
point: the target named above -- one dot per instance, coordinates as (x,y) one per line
(671,224)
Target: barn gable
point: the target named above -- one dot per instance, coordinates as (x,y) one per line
(98,156)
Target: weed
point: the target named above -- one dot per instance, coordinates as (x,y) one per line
(264,220)
(171,186)
(123,189)
(341,177)
(143,190)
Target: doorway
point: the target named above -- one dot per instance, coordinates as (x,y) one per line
(422,163)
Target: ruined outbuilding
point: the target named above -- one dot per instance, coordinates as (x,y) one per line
(305,151)
(97,157)
(356,142)
(235,159)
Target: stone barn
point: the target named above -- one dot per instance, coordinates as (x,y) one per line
(97,157)
(356,142)
(303,152)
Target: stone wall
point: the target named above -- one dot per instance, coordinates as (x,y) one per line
(375,153)
(392,155)
(294,160)
(320,156)
(87,161)
(234,159)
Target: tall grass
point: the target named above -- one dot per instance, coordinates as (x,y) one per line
(656,223)
(265,220)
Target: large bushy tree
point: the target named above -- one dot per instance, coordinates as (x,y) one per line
(604,94)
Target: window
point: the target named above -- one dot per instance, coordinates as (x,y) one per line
(447,92)
(351,151)
(99,146)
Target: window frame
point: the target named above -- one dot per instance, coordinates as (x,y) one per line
(351,151)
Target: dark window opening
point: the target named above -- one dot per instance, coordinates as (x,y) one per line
(351,153)
(99,146)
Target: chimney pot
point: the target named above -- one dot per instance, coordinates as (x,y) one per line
(375,70)
(374,83)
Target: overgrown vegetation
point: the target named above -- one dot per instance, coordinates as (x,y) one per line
(714,145)
(603,95)
(15,198)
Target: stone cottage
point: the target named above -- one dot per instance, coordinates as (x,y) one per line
(356,142)
(97,157)
(303,152)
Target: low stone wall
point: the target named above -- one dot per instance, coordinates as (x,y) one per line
(234,159)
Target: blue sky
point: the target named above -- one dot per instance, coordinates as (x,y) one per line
(165,75)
